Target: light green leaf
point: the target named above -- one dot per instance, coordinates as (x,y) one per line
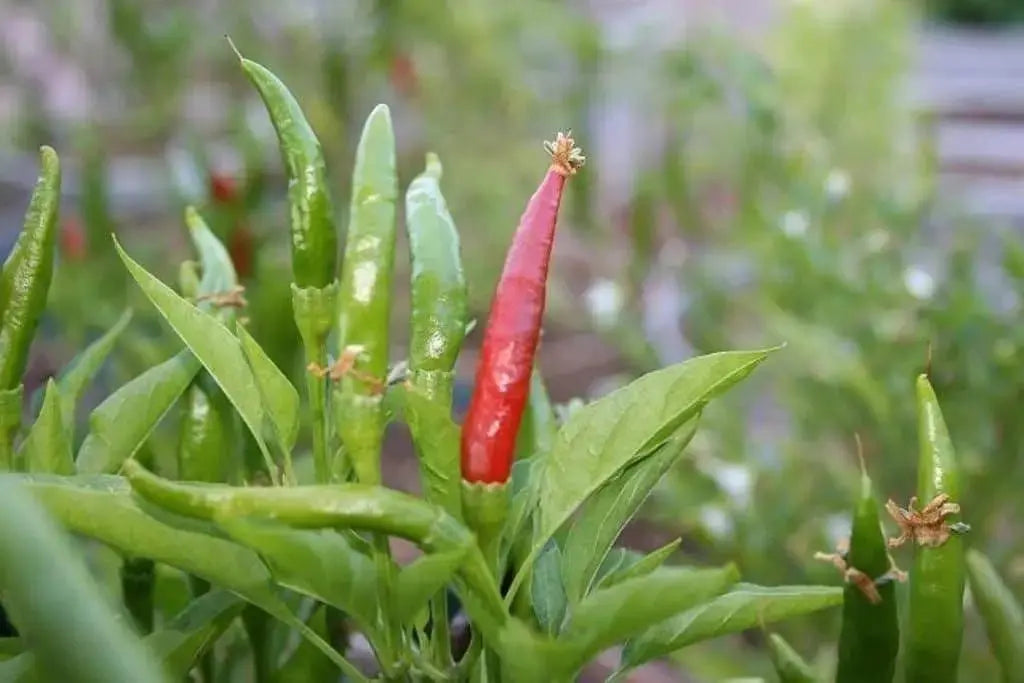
(320,563)
(218,270)
(193,631)
(627,425)
(121,424)
(423,579)
(73,633)
(611,615)
(280,399)
(745,606)
(102,507)
(628,564)
(599,522)
(213,344)
(83,369)
(47,448)
(789,665)
(547,594)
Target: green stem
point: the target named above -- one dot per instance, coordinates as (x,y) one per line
(208,662)
(440,634)
(314,315)
(391,632)
(10,421)
(317,401)
(138,579)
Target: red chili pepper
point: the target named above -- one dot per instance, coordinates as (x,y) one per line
(241,248)
(223,188)
(72,239)
(513,329)
(403,74)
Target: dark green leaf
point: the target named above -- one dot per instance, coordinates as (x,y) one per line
(193,631)
(121,424)
(1003,616)
(745,606)
(611,433)
(280,399)
(71,630)
(595,528)
(213,344)
(83,369)
(320,563)
(422,579)
(611,615)
(546,590)
(629,564)
(47,448)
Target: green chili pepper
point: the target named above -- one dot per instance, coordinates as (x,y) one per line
(138,577)
(314,241)
(1002,614)
(204,449)
(31,272)
(937,577)
(789,665)
(870,635)
(365,297)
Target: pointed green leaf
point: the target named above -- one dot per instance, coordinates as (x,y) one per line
(102,507)
(214,345)
(218,270)
(789,665)
(547,594)
(181,642)
(73,633)
(629,564)
(611,433)
(421,580)
(1002,614)
(611,615)
(320,563)
(83,368)
(280,399)
(602,517)
(121,424)
(47,449)
(745,606)
(537,430)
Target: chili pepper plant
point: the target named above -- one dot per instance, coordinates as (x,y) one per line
(287,568)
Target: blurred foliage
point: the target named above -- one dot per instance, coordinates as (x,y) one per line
(977,11)
(790,197)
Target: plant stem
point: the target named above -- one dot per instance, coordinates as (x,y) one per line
(314,316)
(317,400)
(10,421)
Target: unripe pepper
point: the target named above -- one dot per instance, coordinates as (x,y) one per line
(513,330)
(28,272)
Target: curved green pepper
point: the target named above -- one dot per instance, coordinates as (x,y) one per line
(365,298)
(870,636)
(28,284)
(314,241)
(204,448)
(1002,614)
(937,578)
(789,665)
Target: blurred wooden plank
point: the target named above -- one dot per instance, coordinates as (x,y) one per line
(997,149)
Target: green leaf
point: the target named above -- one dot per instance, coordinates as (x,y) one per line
(1002,614)
(47,448)
(280,399)
(789,665)
(523,493)
(193,631)
(602,517)
(547,594)
(19,669)
(102,507)
(622,564)
(320,563)
(606,436)
(537,430)
(421,580)
(11,647)
(611,615)
(307,663)
(73,633)
(745,606)
(218,270)
(121,424)
(213,344)
(83,368)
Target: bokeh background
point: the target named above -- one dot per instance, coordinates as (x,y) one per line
(844,176)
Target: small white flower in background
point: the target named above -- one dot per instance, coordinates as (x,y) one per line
(837,528)
(716,521)
(877,240)
(837,184)
(794,223)
(919,283)
(604,301)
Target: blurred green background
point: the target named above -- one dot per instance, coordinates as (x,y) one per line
(844,176)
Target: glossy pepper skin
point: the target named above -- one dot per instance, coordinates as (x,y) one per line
(365,297)
(935,619)
(502,382)
(314,241)
(26,286)
(870,636)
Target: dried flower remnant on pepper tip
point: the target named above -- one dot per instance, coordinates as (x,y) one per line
(927,527)
(864,583)
(233,298)
(345,366)
(566,157)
